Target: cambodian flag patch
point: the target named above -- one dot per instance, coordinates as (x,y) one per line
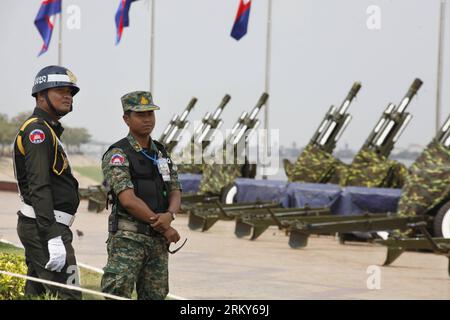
(117,160)
(37,136)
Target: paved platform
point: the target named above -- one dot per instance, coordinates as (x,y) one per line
(217,265)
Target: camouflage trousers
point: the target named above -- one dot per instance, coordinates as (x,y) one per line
(136,259)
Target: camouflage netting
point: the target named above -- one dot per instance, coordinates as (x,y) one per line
(314,165)
(428,183)
(373,171)
(189,166)
(288,167)
(217,176)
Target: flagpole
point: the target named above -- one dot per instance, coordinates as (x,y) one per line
(440,63)
(60,37)
(267,83)
(152,42)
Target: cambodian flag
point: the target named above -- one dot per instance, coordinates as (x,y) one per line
(45,19)
(241,21)
(122,19)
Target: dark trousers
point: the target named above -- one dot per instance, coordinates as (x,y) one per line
(37,256)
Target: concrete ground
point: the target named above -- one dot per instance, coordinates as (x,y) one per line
(217,265)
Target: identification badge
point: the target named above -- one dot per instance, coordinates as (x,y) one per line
(163,168)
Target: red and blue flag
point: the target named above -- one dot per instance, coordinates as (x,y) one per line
(44,21)
(241,21)
(122,19)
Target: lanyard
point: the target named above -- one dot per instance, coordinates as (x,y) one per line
(154,159)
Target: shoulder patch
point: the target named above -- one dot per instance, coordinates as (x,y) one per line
(36,136)
(117,160)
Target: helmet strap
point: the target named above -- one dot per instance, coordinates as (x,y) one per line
(51,106)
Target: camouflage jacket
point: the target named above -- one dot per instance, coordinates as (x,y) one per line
(115,167)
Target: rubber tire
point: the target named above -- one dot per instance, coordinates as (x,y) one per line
(227,193)
(442,220)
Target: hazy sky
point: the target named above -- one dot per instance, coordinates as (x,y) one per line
(320,47)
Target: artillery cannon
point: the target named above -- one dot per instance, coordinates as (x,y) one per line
(172,134)
(371,166)
(323,143)
(395,246)
(96,196)
(316,163)
(380,141)
(425,198)
(217,176)
(202,137)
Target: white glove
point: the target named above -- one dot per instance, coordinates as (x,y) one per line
(57,254)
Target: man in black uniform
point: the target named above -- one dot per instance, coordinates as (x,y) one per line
(48,190)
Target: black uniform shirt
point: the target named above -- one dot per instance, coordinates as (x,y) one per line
(44,175)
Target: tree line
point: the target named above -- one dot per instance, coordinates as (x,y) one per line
(72,137)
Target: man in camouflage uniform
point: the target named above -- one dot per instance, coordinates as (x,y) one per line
(146,196)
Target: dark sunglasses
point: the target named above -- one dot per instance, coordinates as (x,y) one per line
(177,249)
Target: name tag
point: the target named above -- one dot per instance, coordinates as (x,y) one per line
(163,168)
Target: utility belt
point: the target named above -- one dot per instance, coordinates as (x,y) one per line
(143,228)
(60,216)
(137,227)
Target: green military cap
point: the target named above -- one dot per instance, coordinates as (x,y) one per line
(138,101)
